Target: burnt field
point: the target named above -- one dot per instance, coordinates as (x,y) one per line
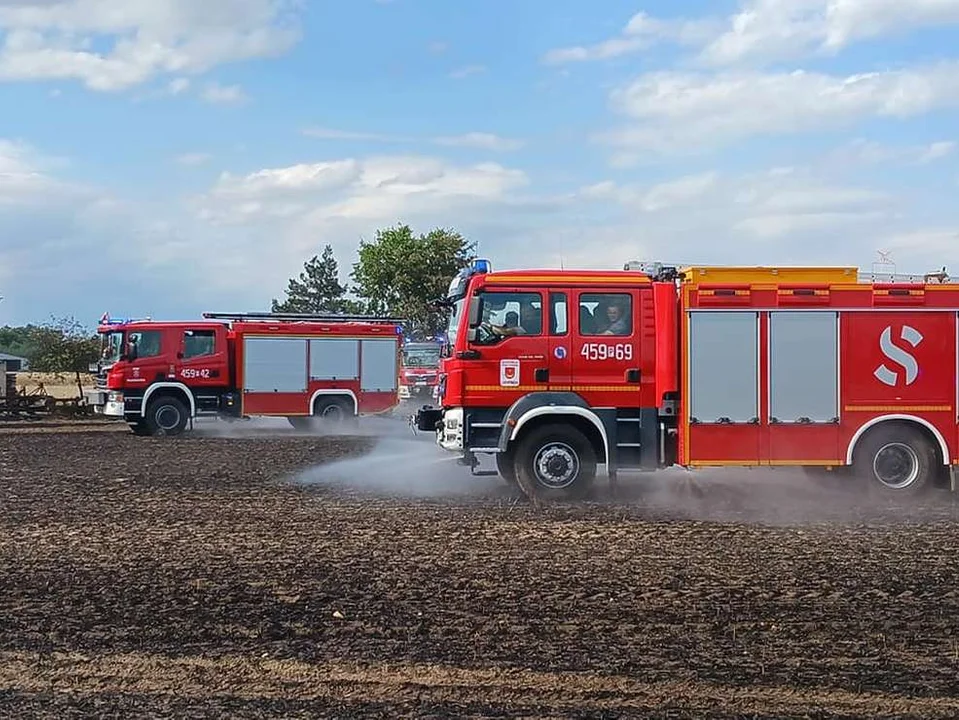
(271,575)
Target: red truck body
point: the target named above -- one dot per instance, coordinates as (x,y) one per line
(701,366)
(158,376)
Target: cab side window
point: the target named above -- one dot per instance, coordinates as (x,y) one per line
(557,314)
(145,343)
(606,314)
(507,314)
(197,343)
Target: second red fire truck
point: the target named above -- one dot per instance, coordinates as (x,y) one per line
(159,376)
(700,366)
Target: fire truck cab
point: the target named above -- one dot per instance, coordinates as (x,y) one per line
(159,376)
(554,372)
(419,369)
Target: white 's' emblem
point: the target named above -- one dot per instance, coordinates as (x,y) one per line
(898,356)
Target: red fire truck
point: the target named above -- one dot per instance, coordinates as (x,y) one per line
(419,369)
(159,376)
(700,366)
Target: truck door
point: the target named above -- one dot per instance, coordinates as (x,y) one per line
(606,347)
(201,358)
(559,361)
(510,348)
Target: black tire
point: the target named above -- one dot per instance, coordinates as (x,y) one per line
(139,428)
(166,415)
(896,459)
(553,460)
(506,467)
(335,413)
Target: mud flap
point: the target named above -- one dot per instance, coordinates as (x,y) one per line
(953,478)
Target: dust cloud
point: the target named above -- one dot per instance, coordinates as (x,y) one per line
(775,497)
(402,464)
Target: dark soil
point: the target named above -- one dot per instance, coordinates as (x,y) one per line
(190,577)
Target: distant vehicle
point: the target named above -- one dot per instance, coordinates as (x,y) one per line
(159,376)
(419,370)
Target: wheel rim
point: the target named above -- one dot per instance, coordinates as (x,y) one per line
(332,412)
(556,465)
(896,465)
(167,417)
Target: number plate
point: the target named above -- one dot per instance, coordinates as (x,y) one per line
(607,351)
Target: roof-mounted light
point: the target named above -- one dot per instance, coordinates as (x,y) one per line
(481,265)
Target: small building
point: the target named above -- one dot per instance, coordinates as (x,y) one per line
(14,363)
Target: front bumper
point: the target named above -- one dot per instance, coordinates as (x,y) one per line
(417,390)
(447,424)
(106,402)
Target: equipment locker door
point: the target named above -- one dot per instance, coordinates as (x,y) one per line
(606,347)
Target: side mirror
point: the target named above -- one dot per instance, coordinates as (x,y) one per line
(475,311)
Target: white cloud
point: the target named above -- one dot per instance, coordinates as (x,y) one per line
(467,71)
(480,140)
(60,39)
(224,95)
(678,112)
(767,30)
(485,141)
(862,152)
(369,189)
(641,33)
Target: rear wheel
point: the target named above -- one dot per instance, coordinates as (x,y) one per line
(553,460)
(334,412)
(166,415)
(896,459)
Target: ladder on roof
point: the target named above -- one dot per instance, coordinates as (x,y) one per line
(304,317)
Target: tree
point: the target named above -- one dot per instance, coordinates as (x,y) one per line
(318,289)
(400,273)
(62,345)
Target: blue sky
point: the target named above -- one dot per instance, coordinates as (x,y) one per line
(167,157)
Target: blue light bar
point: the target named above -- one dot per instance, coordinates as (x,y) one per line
(482,265)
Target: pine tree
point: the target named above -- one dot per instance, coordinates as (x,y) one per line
(318,289)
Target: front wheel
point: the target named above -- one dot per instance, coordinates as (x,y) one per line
(166,415)
(555,459)
(896,460)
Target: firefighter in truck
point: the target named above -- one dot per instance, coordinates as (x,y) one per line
(555,373)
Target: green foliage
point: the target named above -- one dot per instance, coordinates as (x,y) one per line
(400,273)
(17,340)
(62,345)
(318,289)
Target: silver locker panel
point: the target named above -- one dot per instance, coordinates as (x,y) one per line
(274,365)
(723,366)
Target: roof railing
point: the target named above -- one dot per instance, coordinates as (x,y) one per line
(304,317)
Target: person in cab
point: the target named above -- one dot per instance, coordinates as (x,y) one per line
(617,322)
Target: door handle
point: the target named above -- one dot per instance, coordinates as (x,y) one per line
(541,375)
(632,375)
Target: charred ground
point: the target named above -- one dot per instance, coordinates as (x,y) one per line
(195,576)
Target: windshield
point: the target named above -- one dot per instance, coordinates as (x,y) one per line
(428,357)
(452,330)
(111,347)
